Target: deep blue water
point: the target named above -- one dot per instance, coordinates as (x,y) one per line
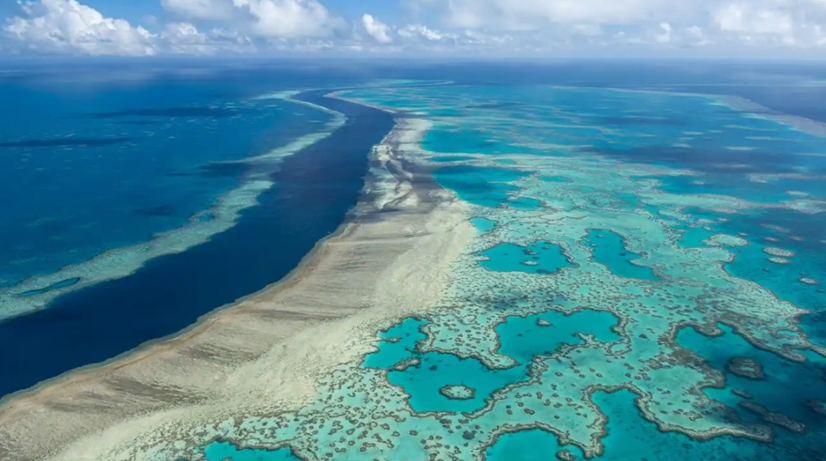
(314,190)
(87,169)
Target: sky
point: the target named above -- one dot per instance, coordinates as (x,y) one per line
(462,28)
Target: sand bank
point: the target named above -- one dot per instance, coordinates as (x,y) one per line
(263,355)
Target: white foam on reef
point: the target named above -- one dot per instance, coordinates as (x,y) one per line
(121,262)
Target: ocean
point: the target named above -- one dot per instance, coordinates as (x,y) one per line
(645,280)
(649,195)
(98,167)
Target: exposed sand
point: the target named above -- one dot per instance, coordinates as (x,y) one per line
(263,355)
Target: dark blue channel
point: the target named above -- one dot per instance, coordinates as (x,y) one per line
(315,188)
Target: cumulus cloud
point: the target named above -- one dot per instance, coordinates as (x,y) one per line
(656,22)
(68,26)
(533,14)
(185,38)
(376,29)
(741,17)
(496,26)
(420,31)
(264,18)
(665,35)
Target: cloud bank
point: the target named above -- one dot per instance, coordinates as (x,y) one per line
(500,27)
(263,18)
(67,26)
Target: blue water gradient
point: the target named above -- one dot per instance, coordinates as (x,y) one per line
(313,191)
(101,168)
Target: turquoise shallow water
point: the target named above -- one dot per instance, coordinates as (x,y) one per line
(479,185)
(685,133)
(539,258)
(520,338)
(400,343)
(555,178)
(220,451)
(479,142)
(609,249)
(636,187)
(631,438)
(450,158)
(483,224)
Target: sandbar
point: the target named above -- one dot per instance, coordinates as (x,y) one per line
(265,353)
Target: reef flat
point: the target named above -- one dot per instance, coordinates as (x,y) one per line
(584,274)
(324,314)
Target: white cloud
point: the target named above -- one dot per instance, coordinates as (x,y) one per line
(420,31)
(662,23)
(264,18)
(376,29)
(68,26)
(746,18)
(665,35)
(501,27)
(534,14)
(185,38)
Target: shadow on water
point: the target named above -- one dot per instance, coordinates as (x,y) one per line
(314,190)
(156,211)
(223,170)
